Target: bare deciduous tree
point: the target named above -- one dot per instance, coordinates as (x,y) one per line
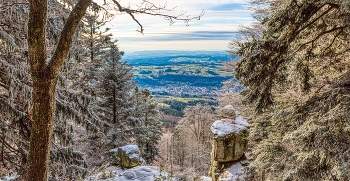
(186,151)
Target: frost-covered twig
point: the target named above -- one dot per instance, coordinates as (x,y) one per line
(10,177)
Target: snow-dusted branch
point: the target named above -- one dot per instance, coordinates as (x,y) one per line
(149,8)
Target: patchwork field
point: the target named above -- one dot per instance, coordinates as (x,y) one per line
(180,78)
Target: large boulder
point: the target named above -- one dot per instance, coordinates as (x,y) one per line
(127,156)
(230,139)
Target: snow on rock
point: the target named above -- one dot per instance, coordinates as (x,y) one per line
(239,120)
(131,150)
(232,173)
(139,173)
(225,127)
(127,156)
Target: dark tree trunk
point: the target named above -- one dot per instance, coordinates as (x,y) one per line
(43,120)
(44,74)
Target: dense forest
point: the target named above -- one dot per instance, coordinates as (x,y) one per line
(67,98)
(98,105)
(295,67)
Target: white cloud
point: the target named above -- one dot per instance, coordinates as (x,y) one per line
(128,46)
(221,15)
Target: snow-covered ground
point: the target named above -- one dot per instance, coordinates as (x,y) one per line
(139,173)
(233,173)
(10,177)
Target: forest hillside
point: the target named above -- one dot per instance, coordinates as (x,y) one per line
(73,106)
(295,67)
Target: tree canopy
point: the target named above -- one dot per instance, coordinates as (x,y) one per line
(36,37)
(295,68)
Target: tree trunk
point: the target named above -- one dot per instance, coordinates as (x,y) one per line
(41,133)
(44,73)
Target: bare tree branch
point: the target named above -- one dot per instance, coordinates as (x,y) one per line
(151,9)
(66,37)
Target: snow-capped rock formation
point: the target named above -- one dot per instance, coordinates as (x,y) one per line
(230,141)
(127,156)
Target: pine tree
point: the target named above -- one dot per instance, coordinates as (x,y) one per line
(46,49)
(115,86)
(97,43)
(150,128)
(295,68)
(129,116)
(15,90)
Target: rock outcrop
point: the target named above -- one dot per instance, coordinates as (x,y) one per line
(230,141)
(126,156)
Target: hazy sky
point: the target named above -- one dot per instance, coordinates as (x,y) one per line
(214,31)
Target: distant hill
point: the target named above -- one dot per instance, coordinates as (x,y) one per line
(168,57)
(180,78)
(180,73)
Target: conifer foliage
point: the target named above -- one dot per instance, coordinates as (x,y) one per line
(16,96)
(115,86)
(295,67)
(15,90)
(129,115)
(38,39)
(88,80)
(150,130)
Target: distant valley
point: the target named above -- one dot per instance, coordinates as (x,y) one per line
(179,79)
(180,73)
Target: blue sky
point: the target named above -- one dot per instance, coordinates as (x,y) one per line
(214,31)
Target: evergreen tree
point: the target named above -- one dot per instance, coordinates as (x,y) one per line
(116,104)
(295,67)
(150,127)
(50,37)
(15,90)
(128,115)
(95,45)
